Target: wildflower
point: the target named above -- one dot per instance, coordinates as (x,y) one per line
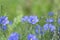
(39,30)
(50,14)
(31,37)
(4,28)
(50,20)
(10,22)
(4,20)
(33,19)
(49,26)
(58,20)
(24,19)
(14,36)
(52,27)
(46,26)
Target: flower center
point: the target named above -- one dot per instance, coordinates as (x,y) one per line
(32,20)
(30,38)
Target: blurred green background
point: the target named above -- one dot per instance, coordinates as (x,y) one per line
(13,8)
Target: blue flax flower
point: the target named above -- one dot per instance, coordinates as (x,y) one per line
(4,20)
(4,28)
(31,37)
(14,36)
(50,20)
(10,22)
(46,26)
(24,19)
(39,29)
(50,14)
(33,19)
(49,26)
(52,27)
(58,20)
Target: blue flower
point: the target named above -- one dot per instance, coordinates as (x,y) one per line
(50,14)
(10,22)
(46,26)
(0,20)
(31,37)
(50,20)
(52,27)
(4,20)
(14,36)
(33,19)
(24,19)
(4,28)
(39,30)
(49,26)
(58,20)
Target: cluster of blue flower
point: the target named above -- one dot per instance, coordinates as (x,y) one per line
(32,20)
(14,36)
(48,26)
(3,22)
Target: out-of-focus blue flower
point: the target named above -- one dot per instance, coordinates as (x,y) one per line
(4,28)
(39,29)
(52,27)
(24,19)
(10,22)
(50,20)
(46,26)
(14,36)
(0,20)
(33,19)
(50,14)
(58,20)
(49,26)
(4,20)
(31,37)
